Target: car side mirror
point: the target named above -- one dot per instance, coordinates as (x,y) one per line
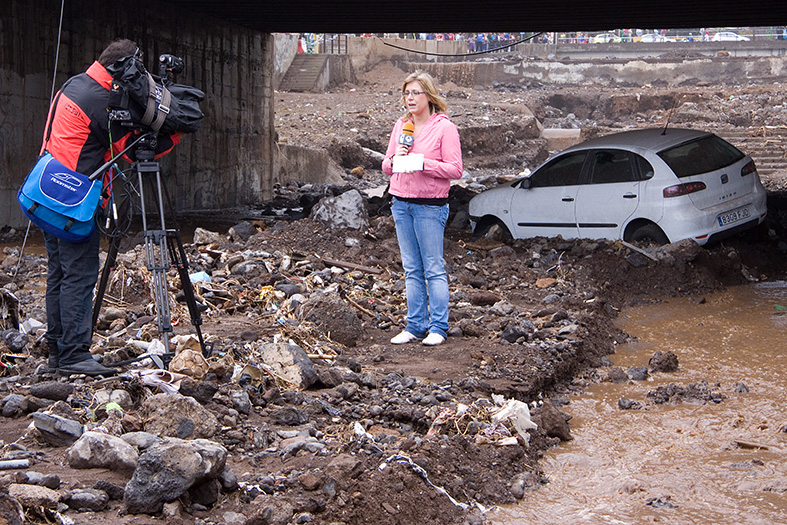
(525,183)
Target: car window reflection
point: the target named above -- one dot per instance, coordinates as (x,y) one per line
(610,166)
(563,171)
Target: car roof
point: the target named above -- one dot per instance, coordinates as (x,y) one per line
(652,139)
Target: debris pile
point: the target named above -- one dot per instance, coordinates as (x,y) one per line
(301,399)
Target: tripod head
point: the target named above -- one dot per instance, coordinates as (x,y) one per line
(149,141)
(145,149)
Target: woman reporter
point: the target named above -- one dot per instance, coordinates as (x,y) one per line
(420,205)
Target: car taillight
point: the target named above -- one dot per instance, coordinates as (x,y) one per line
(749,168)
(683,189)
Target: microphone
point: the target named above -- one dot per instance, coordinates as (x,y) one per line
(406,137)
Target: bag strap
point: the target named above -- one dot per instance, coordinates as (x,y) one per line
(54,108)
(158,105)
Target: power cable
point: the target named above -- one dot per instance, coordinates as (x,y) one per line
(51,97)
(57,49)
(461,54)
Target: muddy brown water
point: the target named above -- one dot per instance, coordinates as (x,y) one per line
(686,463)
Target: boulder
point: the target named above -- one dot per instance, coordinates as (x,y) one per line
(167,470)
(97,450)
(178,416)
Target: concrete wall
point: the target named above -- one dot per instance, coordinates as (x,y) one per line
(712,70)
(227,163)
(285,49)
(365,53)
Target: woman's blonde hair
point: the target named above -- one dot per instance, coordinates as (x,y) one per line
(437,103)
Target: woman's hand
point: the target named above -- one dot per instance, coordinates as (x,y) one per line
(401,149)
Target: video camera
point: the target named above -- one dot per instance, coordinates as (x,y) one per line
(146,102)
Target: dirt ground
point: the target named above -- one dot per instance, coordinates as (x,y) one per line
(566,295)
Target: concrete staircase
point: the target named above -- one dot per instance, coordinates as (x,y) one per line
(767,146)
(304,72)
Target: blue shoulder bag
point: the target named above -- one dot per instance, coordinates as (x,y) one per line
(58,200)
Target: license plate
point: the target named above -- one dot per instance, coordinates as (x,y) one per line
(733,216)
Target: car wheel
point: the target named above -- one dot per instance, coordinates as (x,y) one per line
(492,229)
(649,234)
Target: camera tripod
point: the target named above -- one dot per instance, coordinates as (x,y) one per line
(163,248)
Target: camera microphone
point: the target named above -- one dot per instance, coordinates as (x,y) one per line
(406,138)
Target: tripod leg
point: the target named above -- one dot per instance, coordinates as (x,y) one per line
(156,252)
(180,261)
(112,252)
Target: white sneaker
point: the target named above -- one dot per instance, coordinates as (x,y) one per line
(402,338)
(433,339)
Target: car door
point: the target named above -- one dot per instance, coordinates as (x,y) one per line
(544,204)
(611,195)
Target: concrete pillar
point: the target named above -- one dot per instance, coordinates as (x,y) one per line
(227,163)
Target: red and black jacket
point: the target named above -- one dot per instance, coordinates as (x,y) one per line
(80,135)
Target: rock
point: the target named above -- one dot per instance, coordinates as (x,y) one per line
(472,327)
(545,282)
(12,405)
(484,298)
(291,446)
(56,430)
(555,422)
(233,518)
(97,450)
(348,210)
(115,492)
(270,510)
(168,469)
(288,416)
(54,390)
(637,373)
(616,375)
(513,333)
(663,362)
(628,404)
(228,479)
(202,391)
(140,440)
(178,416)
(51,481)
(112,314)
(502,308)
(333,315)
(203,236)
(88,499)
(15,340)
(34,404)
(250,268)
(242,231)
(32,496)
(240,401)
(290,362)
(11,512)
(289,289)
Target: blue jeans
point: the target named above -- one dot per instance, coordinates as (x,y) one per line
(419,230)
(70,280)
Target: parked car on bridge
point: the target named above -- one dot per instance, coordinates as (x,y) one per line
(655,37)
(647,185)
(606,38)
(729,36)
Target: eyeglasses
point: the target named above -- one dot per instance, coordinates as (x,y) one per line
(413,93)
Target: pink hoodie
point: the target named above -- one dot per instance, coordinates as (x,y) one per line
(438,140)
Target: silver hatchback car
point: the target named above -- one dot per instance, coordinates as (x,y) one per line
(649,185)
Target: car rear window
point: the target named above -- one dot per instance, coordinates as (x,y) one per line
(706,154)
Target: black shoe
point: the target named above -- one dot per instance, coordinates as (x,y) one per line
(53,356)
(89,367)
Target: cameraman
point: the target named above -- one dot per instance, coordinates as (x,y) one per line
(83,138)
